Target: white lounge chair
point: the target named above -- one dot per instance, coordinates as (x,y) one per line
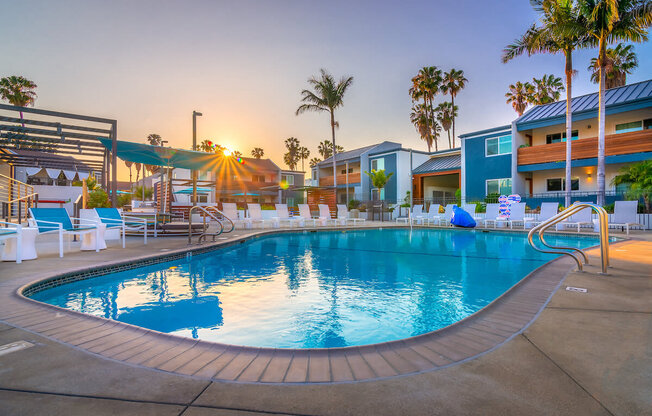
(580,218)
(112,218)
(417,215)
(548,210)
(57,220)
(448,214)
(344,215)
(325,215)
(470,209)
(11,230)
(433,214)
(490,216)
(256,216)
(283,215)
(306,215)
(625,215)
(516,215)
(230,210)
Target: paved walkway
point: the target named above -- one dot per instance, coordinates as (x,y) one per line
(586,354)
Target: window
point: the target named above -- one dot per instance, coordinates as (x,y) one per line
(201,198)
(374,194)
(258,178)
(499,186)
(289,179)
(344,171)
(499,146)
(378,164)
(559,184)
(627,127)
(647,124)
(560,137)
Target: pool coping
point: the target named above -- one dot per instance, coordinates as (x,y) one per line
(482,332)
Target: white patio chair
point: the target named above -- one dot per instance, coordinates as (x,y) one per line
(625,215)
(11,230)
(580,218)
(548,210)
(306,215)
(283,215)
(325,215)
(417,215)
(256,216)
(344,216)
(491,213)
(113,218)
(448,213)
(516,215)
(433,216)
(57,220)
(230,210)
(470,209)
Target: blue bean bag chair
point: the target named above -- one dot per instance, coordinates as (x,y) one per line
(461,218)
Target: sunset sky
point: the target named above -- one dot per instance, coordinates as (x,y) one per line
(242,63)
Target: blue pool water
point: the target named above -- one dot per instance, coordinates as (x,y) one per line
(315,290)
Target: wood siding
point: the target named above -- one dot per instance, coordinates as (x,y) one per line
(354,178)
(615,144)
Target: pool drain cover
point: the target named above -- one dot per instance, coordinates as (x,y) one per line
(14,346)
(576,289)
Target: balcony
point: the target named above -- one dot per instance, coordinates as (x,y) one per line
(615,144)
(354,178)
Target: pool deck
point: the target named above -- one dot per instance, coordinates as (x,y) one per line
(583,353)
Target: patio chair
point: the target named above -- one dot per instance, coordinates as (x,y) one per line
(417,215)
(114,219)
(433,214)
(11,230)
(580,218)
(470,208)
(625,215)
(491,214)
(284,216)
(230,210)
(306,215)
(57,220)
(256,216)
(448,213)
(325,215)
(548,210)
(516,215)
(344,216)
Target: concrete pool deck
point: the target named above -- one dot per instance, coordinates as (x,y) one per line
(587,353)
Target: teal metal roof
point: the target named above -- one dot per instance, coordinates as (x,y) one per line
(438,164)
(626,94)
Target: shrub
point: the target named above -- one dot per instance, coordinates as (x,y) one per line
(492,198)
(124,199)
(362,208)
(98,199)
(354,204)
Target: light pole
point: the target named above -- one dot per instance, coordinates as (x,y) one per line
(164,196)
(195,114)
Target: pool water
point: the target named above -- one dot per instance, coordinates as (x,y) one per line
(316,289)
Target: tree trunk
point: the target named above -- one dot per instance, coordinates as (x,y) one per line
(601,124)
(425,109)
(21,119)
(453,116)
(569,125)
(334,152)
(450,146)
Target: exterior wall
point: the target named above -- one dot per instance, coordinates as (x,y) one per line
(391,166)
(587,183)
(477,167)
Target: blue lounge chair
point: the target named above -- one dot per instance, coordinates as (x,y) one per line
(57,220)
(114,219)
(10,230)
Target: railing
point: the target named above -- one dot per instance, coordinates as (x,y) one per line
(341,179)
(604,235)
(16,198)
(615,144)
(210,212)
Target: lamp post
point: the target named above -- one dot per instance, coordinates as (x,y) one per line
(163,182)
(195,114)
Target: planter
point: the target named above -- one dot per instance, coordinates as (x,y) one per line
(354,213)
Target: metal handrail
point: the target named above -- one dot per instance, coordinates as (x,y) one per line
(203,234)
(25,194)
(578,206)
(217,211)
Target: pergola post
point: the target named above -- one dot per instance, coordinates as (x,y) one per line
(114,163)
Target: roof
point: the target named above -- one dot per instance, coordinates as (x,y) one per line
(486,131)
(440,163)
(43,159)
(355,153)
(614,96)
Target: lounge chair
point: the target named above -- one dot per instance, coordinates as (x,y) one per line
(470,208)
(256,216)
(433,214)
(625,215)
(230,210)
(417,215)
(306,215)
(284,216)
(548,210)
(448,213)
(516,215)
(580,218)
(490,216)
(344,216)
(57,220)
(114,219)
(11,230)
(325,215)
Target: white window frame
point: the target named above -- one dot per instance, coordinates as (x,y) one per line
(289,179)
(486,185)
(379,161)
(486,142)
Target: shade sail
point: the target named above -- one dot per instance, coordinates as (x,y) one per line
(164,156)
(189,191)
(246,194)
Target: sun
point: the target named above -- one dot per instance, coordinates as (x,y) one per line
(227,152)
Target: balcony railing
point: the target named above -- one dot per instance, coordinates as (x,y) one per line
(341,179)
(615,144)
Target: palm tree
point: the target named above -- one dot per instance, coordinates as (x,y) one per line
(621,61)
(379,179)
(453,82)
(292,156)
(138,167)
(519,96)
(445,114)
(639,178)
(236,154)
(611,21)
(325,149)
(304,154)
(327,95)
(18,91)
(420,117)
(128,164)
(206,146)
(314,162)
(548,89)
(258,152)
(154,139)
(425,85)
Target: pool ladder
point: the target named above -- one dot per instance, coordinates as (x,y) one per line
(210,212)
(577,254)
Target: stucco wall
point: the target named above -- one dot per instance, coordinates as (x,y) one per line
(478,168)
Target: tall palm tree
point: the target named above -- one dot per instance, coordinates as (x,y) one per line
(420,117)
(519,96)
(547,90)
(258,152)
(452,83)
(292,156)
(326,96)
(445,114)
(304,154)
(325,149)
(154,139)
(236,154)
(425,85)
(206,146)
(621,61)
(612,21)
(18,91)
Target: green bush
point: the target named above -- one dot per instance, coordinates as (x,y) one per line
(124,199)
(362,208)
(492,198)
(354,204)
(98,199)
(458,197)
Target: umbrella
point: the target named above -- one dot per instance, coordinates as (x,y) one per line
(188,191)
(246,194)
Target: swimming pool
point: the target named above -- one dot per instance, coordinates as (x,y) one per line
(316,289)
